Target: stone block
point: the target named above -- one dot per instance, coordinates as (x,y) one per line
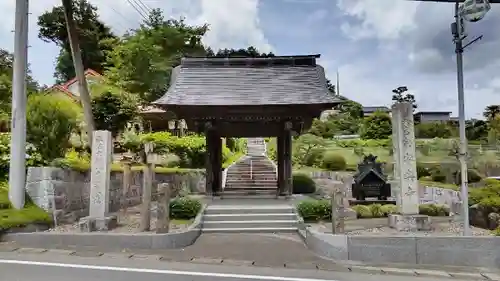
(410,223)
(459,251)
(382,249)
(88,224)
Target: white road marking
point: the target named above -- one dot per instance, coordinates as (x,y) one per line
(161,271)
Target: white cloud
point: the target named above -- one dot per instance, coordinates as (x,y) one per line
(232,24)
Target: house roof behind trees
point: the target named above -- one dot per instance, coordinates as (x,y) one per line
(248,81)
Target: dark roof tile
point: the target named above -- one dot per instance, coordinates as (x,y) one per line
(241,82)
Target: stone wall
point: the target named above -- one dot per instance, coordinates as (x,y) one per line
(67,193)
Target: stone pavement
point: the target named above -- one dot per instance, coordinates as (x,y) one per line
(284,251)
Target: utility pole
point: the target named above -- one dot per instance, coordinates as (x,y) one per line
(79,69)
(17,168)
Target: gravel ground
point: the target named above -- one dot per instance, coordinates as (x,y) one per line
(128,223)
(379,227)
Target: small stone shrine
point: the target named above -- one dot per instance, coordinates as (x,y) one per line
(370,181)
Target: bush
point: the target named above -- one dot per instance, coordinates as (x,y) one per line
(376,126)
(438,176)
(303,184)
(315,210)
(333,162)
(433,210)
(50,122)
(376,210)
(184,208)
(423,171)
(33,157)
(362,211)
(389,209)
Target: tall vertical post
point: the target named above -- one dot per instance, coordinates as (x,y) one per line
(287,147)
(17,168)
(147,186)
(208,159)
(280,165)
(79,68)
(461,122)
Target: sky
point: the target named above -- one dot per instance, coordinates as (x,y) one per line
(375,45)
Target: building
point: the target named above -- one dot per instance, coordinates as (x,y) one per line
(154,119)
(369,110)
(432,116)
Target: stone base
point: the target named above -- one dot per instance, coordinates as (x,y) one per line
(88,224)
(410,223)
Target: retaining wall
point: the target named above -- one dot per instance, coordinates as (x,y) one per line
(67,192)
(455,251)
(110,241)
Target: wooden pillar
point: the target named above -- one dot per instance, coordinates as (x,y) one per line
(208,160)
(280,164)
(217,163)
(287,162)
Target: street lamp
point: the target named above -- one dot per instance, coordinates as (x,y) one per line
(471,11)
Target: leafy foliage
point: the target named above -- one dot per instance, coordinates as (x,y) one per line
(303,184)
(431,130)
(377,126)
(143,61)
(50,122)
(95,38)
(332,161)
(401,95)
(112,108)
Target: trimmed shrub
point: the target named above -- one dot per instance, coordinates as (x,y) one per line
(438,176)
(433,210)
(362,211)
(315,210)
(333,162)
(303,184)
(423,171)
(376,210)
(389,209)
(184,208)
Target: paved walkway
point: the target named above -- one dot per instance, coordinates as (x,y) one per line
(258,249)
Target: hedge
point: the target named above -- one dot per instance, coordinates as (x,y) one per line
(320,210)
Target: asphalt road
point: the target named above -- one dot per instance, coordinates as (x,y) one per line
(31,267)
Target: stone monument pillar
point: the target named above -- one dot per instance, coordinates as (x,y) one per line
(102,152)
(405,172)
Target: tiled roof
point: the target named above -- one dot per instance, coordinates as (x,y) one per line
(248,81)
(375,108)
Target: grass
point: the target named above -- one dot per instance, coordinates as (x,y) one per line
(181,222)
(10,217)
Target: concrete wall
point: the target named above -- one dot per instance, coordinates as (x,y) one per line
(110,241)
(67,192)
(455,251)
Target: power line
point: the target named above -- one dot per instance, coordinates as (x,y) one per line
(145,7)
(137,10)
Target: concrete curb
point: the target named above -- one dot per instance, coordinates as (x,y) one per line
(442,274)
(113,241)
(423,250)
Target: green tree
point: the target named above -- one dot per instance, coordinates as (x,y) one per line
(6,61)
(250,52)
(112,108)
(476,129)
(143,61)
(401,95)
(491,111)
(331,87)
(376,126)
(351,109)
(94,38)
(50,121)
(434,130)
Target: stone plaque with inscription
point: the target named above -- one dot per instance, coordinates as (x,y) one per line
(100,174)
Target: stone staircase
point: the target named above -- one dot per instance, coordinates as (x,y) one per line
(249,198)
(253,175)
(248,218)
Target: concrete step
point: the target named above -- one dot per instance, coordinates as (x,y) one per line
(249,209)
(250,187)
(244,182)
(251,230)
(250,217)
(251,224)
(268,177)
